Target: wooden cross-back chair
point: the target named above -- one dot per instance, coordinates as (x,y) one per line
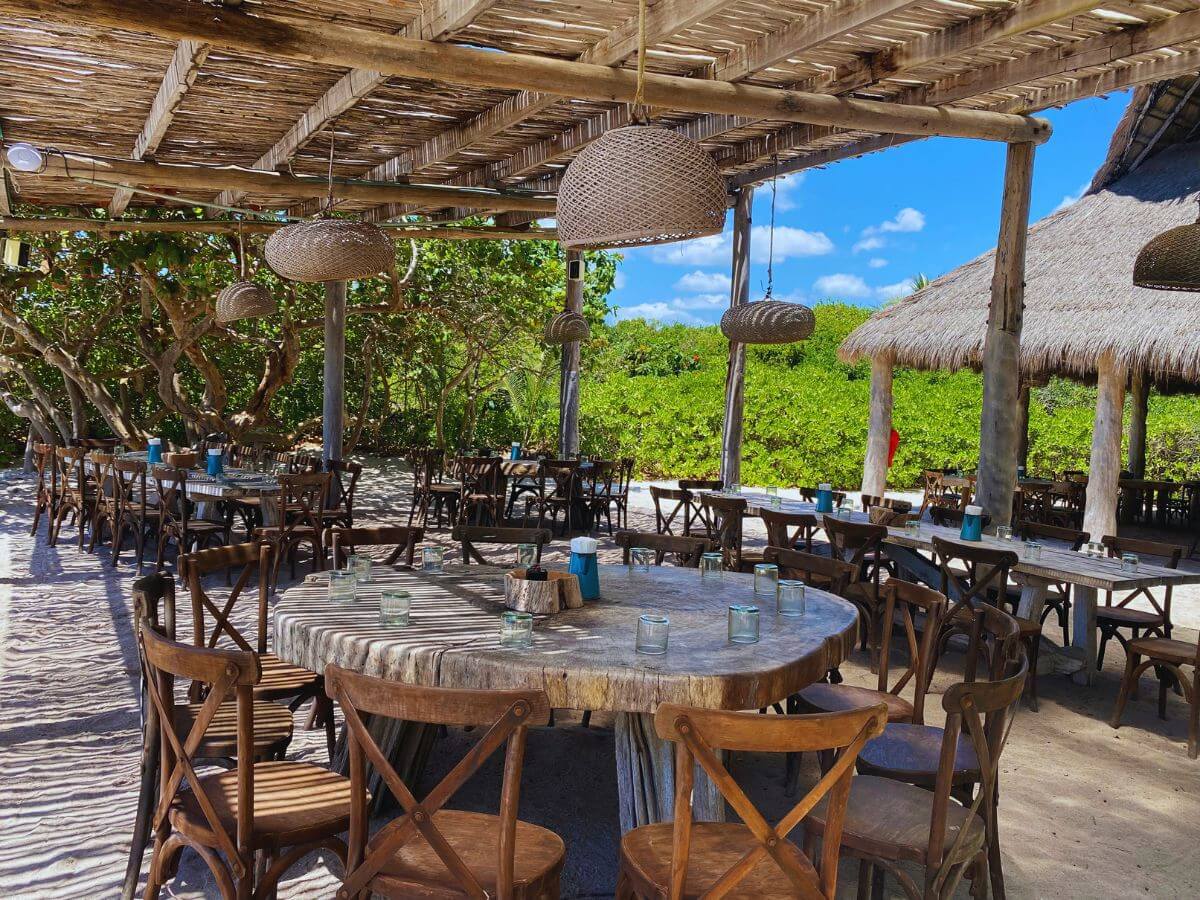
(137,511)
(482,491)
(281,681)
(952,517)
(431,850)
(299,508)
(45,498)
(621,496)
(403,539)
(343,482)
(554,489)
(106,502)
(215,816)
(892,503)
(861,545)
(74,495)
(822,572)
(176,510)
(1116,614)
(792,530)
(755,859)
(685,550)
(935,492)
(599,491)
(670,510)
(809,495)
(723,517)
(881,818)
(695,518)
(473,535)
(430,488)
(1058,595)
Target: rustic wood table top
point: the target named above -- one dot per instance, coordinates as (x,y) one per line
(583,658)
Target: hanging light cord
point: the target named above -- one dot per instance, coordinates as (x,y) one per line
(639,96)
(771,233)
(329,200)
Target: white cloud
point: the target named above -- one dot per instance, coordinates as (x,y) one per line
(1069,199)
(619,280)
(703,282)
(907,220)
(712,250)
(892,291)
(717,249)
(877,262)
(868,243)
(785,191)
(700,301)
(841,285)
(657,312)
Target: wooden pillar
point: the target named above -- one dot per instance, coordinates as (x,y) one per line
(1023,425)
(879,427)
(739,293)
(568,391)
(1139,395)
(1104,471)
(1002,347)
(332,412)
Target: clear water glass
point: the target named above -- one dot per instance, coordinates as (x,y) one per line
(640,560)
(743,624)
(432,559)
(343,586)
(652,634)
(711,565)
(912,527)
(526,555)
(1094,549)
(360,565)
(735,488)
(516,630)
(1033,550)
(775,502)
(772,490)
(1129,562)
(766,578)
(1003,533)
(791,598)
(394,607)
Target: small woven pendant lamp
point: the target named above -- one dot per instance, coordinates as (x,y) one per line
(244,299)
(1170,261)
(769,321)
(566,327)
(639,185)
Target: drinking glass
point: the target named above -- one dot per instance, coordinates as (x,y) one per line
(775,502)
(1129,562)
(652,634)
(735,488)
(343,586)
(431,559)
(1033,550)
(1093,549)
(772,491)
(791,598)
(711,565)
(394,607)
(1003,533)
(743,624)
(912,527)
(640,560)
(360,565)
(526,555)
(516,630)
(766,578)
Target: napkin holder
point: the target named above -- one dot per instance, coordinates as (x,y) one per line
(559,591)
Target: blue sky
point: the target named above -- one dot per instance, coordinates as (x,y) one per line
(860,229)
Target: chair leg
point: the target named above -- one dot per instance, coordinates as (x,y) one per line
(1164,682)
(1127,685)
(1194,716)
(147,796)
(1035,645)
(1105,635)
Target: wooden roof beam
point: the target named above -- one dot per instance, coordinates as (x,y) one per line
(443,20)
(333,44)
(177,80)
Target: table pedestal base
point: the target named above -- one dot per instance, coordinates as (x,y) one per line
(406,745)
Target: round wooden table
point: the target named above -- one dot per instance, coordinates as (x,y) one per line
(582,658)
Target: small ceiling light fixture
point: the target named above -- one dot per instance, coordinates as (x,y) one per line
(1169,261)
(24,157)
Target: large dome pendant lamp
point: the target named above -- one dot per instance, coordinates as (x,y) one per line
(1170,261)
(641,184)
(244,299)
(769,321)
(329,249)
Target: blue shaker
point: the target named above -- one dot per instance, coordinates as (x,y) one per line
(214,461)
(583,567)
(516,450)
(824,498)
(972,525)
(154,451)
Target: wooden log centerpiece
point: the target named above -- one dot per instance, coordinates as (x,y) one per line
(559,591)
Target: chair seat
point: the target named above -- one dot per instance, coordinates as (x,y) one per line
(272,728)
(1168,649)
(839,697)
(282,679)
(890,820)
(274,531)
(416,870)
(1028,626)
(715,848)
(911,753)
(294,803)
(1129,617)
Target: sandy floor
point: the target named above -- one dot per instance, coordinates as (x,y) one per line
(1086,811)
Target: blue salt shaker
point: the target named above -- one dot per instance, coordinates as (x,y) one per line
(154,451)
(516,450)
(583,567)
(214,461)
(972,525)
(824,498)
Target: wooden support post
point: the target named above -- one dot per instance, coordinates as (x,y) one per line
(879,427)
(1104,471)
(568,393)
(1139,395)
(332,414)
(1023,425)
(739,293)
(1002,347)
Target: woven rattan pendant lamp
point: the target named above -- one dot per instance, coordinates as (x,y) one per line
(244,299)
(769,321)
(639,185)
(1170,261)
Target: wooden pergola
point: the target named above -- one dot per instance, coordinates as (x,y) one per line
(441,108)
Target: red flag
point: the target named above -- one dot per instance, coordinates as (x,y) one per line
(893,443)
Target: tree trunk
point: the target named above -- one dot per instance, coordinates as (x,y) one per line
(333,406)
(739,293)
(1104,471)
(79,422)
(879,428)
(568,398)
(1140,396)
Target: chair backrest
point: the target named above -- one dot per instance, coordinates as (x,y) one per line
(43,459)
(130,477)
(345,540)
(701,484)
(103,475)
(226,674)
(154,602)
(810,494)
(857,543)
(479,474)
(824,572)
(910,603)
(171,484)
(504,716)
(686,550)
(952,517)
(472,535)
(1069,536)
(670,504)
(300,502)
(723,519)
(254,557)
(344,475)
(600,480)
(564,473)
(976,590)
(982,712)
(789,529)
(70,463)
(1163,554)
(901,506)
(699,735)
(624,475)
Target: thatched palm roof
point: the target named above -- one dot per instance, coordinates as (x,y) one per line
(1080,301)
